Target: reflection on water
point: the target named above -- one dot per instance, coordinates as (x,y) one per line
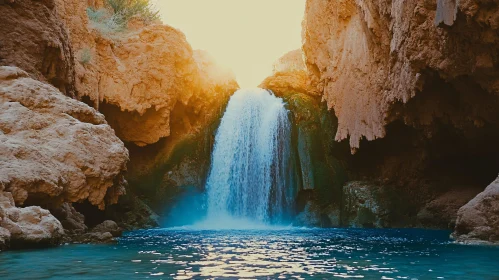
(260,254)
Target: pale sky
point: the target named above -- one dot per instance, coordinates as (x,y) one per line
(244,35)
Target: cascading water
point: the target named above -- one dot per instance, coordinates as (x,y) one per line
(250,167)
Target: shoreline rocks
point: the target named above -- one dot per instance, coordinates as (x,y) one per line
(478,220)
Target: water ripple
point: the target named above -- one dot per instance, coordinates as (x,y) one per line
(260,254)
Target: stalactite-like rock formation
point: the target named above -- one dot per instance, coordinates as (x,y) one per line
(414,85)
(372,57)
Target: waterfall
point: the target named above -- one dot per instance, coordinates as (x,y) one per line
(250,167)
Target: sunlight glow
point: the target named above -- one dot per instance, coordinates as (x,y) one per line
(247,36)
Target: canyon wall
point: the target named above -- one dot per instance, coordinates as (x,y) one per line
(150,93)
(34,39)
(414,86)
(373,58)
(162,98)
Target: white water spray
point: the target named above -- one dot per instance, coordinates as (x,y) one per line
(250,167)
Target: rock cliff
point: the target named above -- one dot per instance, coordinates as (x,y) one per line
(414,87)
(161,97)
(135,77)
(320,174)
(162,172)
(34,39)
(373,58)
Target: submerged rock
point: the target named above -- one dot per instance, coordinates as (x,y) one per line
(478,220)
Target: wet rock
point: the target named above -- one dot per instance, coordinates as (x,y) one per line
(364,206)
(108,226)
(4,238)
(320,170)
(478,220)
(131,213)
(309,217)
(93,238)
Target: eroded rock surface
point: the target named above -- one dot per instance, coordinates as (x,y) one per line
(478,220)
(136,77)
(34,39)
(55,149)
(369,57)
(26,227)
(159,172)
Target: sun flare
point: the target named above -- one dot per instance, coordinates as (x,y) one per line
(246,36)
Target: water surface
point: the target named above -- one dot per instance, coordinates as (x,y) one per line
(260,254)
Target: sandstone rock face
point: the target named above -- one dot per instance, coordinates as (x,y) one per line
(26,227)
(159,172)
(55,149)
(290,75)
(34,39)
(478,221)
(372,58)
(136,77)
(159,96)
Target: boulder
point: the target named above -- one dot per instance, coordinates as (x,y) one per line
(478,220)
(55,149)
(27,227)
(108,226)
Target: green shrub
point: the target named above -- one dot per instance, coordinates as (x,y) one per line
(127,9)
(105,21)
(85,56)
